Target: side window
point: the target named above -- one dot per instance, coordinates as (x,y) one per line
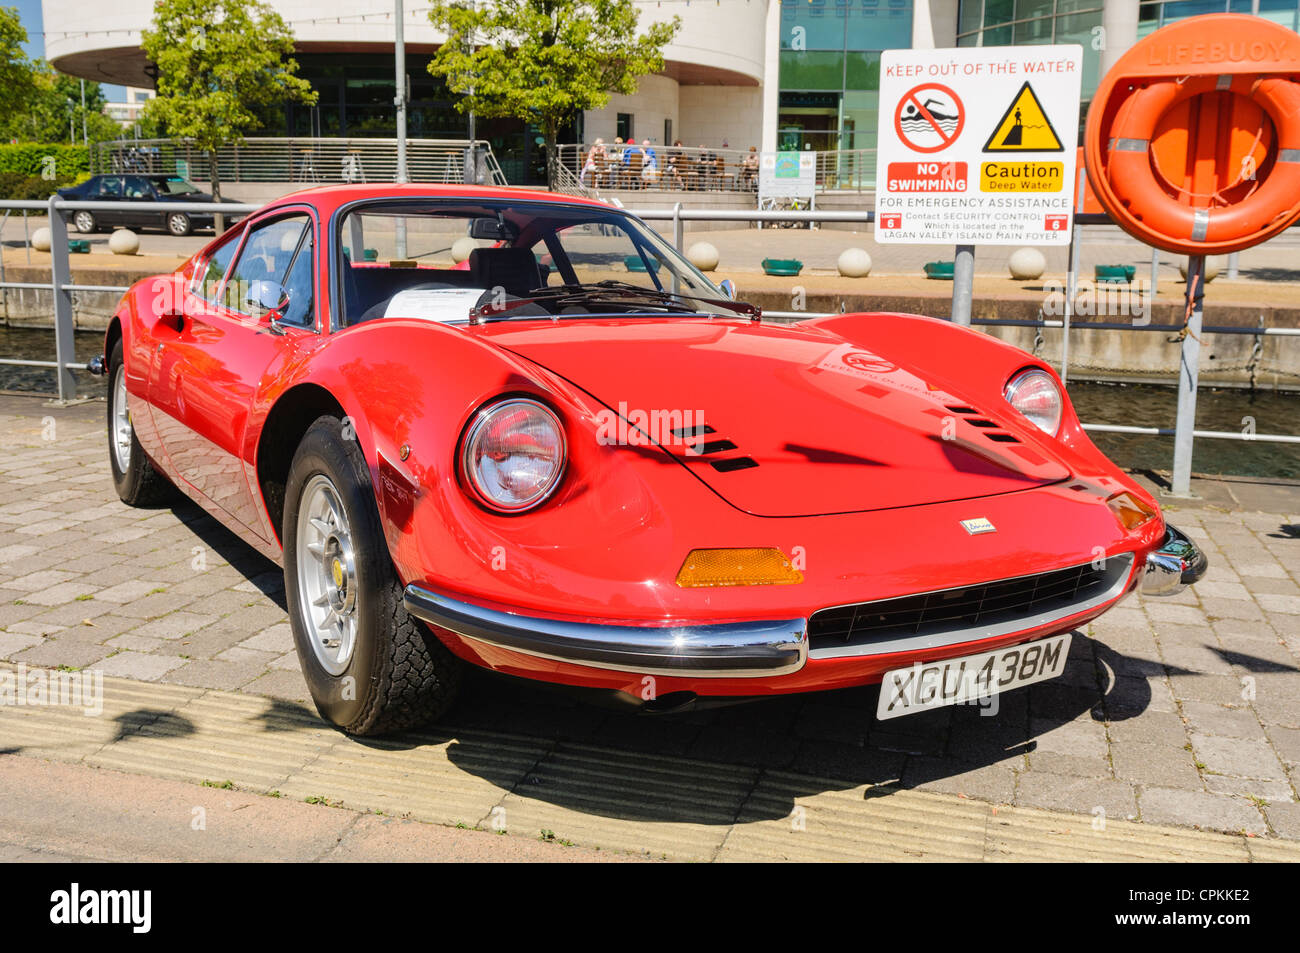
(268,253)
(209,278)
(110,187)
(138,188)
(299,285)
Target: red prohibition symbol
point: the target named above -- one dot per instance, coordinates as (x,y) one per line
(929,118)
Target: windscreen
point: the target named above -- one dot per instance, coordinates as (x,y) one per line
(439,260)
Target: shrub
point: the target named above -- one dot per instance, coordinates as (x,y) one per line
(33,158)
(15,185)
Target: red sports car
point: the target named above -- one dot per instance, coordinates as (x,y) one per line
(520,431)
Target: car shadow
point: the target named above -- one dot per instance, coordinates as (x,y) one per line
(698,767)
(248,562)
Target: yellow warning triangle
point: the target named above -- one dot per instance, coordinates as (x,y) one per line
(1024,127)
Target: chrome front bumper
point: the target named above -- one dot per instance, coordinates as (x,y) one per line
(1173,566)
(722,650)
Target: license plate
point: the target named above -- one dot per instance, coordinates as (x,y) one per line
(970,678)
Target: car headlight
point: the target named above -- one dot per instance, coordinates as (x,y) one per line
(1035,395)
(513,454)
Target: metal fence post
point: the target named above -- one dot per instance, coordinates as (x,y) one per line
(1234,263)
(1071,291)
(1155,275)
(1188,374)
(963,283)
(679,227)
(64,343)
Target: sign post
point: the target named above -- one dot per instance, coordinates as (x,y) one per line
(977,146)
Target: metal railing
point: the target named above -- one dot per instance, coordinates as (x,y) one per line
(303,160)
(62,286)
(626,167)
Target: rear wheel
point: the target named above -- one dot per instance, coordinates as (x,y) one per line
(136,479)
(178,224)
(84,222)
(371,667)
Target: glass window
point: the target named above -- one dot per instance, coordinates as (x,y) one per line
(110,187)
(1078,28)
(1026,9)
(211,273)
(1280,11)
(138,187)
(863,71)
(521,252)
(997,11)
(298,285)
(1191,8)
(970,16)
(1029,32)
(267,254)
(812,70)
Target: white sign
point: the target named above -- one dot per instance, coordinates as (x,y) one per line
(977,145)
(787,175)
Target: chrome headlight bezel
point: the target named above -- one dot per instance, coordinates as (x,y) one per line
(472,476)
(1016,385)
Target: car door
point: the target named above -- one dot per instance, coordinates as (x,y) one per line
(110,190)
(210,361)
(136,192)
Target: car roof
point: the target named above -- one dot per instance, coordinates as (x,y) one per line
(326,199)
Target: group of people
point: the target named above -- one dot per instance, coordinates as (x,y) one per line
(629,165)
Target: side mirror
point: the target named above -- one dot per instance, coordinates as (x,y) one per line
(266,296)
(728,288)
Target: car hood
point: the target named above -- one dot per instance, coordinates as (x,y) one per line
(802,422)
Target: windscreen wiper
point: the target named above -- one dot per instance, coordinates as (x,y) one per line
(613,291)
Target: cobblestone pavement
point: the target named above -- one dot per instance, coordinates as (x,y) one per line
(1182,711)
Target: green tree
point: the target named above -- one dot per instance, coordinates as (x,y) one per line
(16,85)
(544,61)
(53,111)
(219,63)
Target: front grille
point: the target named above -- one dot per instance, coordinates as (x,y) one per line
(966,613)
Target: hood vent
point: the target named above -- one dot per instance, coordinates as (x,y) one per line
(972,417)
(736,463)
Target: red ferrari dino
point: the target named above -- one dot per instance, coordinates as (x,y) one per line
(520,431)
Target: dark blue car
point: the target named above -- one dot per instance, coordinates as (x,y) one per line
(132,190)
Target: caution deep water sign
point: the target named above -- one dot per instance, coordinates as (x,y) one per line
(981,147)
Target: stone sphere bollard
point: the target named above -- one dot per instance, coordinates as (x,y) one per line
(123,241)
(1026,264)
(1212,268)
(40,240)
(461,248)
(703,256)
(854,263)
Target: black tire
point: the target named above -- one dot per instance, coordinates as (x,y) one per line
(140,484)
(401,674)
(84,221)
(178,224)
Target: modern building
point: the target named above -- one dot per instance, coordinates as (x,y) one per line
(127,110)
(801,74)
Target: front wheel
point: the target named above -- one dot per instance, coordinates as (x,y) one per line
(84,222)
(134,476)
(178,224)
(371,667)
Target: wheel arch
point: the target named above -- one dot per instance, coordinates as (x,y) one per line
(286,423)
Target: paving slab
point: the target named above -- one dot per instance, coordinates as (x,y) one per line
(1152,688)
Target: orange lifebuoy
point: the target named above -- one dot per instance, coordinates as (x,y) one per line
(1132,175)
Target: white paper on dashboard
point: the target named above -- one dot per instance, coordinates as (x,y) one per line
(433,304)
